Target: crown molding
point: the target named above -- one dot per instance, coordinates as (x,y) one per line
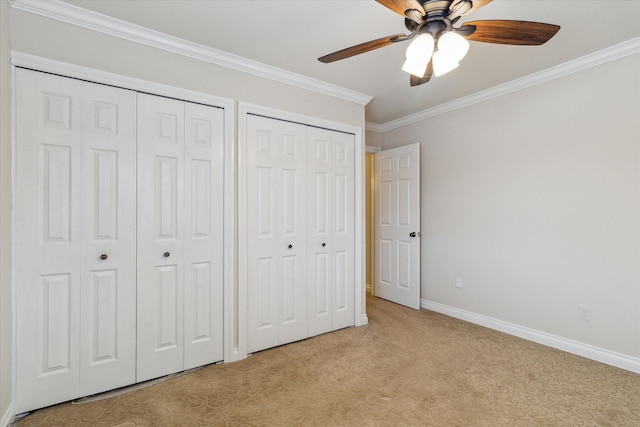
(603,56)
(84,18)
(374,127)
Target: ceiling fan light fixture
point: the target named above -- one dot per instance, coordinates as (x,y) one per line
(453,45)
(442,63)
(418,55)
(434,36)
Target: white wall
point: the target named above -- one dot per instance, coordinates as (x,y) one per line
(373,139)
(534,199)
(6,322)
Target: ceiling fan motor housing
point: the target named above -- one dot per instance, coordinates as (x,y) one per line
(438,18)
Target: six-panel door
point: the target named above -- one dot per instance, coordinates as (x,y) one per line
(397,230)
(330,201)
(80,276)
(204,232)
(180,182)
(160,236)
(75,239)
(276,276)
(300,231)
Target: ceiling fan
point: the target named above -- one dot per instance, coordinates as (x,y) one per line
(438,46)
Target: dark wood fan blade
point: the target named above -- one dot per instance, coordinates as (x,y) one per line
(400,6)
(358,49)
(511,32)
(415,81)
(477,4)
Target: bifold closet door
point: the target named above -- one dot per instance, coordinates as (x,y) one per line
(276,230)
(75,239)
(204,187)
(180,165)
(330,203)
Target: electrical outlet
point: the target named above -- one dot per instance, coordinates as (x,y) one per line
(458,282)
(583,312)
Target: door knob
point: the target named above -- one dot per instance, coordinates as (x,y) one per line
(412,234)
(103,256)
(167,254)
(324,244)
(290,246)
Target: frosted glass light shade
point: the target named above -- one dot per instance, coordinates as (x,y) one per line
(442,64)
(418,55)
(453,45)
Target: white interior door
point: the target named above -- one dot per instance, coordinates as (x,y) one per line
(397,229)
(48,239)
(75,312)
(276,241)
(160,236)
(108,294)
(330,202)
(204,180)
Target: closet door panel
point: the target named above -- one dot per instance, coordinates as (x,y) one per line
(276,154)
(320,272)
(48,239)
(203,297)
(264,248)
(108,322)
(160,246)
(292,314)
(331,233)
(344,230)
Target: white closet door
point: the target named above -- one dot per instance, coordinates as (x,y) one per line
(276,246)
(160,236)
(203,289)
(48,239)
(74,312)
(331,265)
(108,294)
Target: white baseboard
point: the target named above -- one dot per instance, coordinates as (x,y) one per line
(7,417)
(608,357)
(364,320)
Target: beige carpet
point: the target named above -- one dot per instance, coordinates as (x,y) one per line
(406,368)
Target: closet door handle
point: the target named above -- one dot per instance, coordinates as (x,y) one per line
(324,244)
(412,234)
(104,256)
(290,246)
(167,254)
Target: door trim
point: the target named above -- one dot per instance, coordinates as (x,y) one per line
(244,109)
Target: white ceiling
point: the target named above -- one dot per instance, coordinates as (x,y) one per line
(292,34)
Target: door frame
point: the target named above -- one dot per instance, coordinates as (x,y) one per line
(370,200)
(244,109)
